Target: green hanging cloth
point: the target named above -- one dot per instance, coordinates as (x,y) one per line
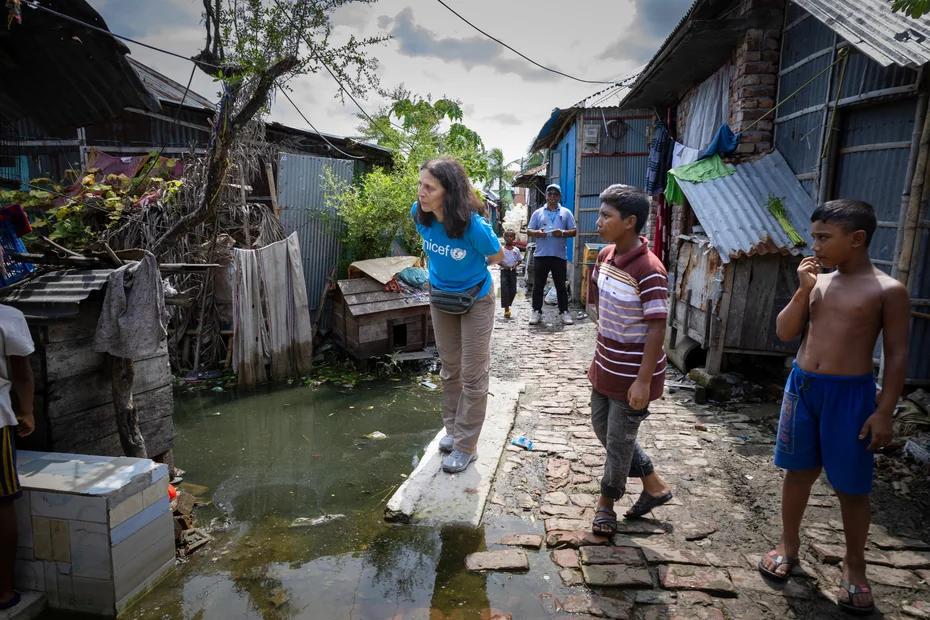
(701,171)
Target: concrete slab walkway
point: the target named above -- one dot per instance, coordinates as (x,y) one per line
(432,496)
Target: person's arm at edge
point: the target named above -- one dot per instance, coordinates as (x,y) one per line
(638,394)
(896,318)
(24,388)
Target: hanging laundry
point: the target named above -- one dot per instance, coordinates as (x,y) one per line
(15,215)
(700,171)
(683,155)
(271,318)
(133,322)
(660,160)
(724,142)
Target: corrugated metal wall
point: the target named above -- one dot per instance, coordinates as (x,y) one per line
(566,163)
(872,133)
(620,160)
(300,188)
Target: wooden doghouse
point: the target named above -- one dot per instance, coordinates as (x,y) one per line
(369,321)
(73,395)
(736,265)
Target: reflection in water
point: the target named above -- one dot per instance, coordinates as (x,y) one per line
(269,458)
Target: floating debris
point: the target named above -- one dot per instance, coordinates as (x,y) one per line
(376,435)
(308,522)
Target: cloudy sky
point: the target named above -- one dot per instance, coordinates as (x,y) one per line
(506,99)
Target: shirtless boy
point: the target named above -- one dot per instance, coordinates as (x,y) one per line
(829,417)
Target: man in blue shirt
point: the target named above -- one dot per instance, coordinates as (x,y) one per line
(552,226)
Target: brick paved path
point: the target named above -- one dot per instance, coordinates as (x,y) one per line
(695,557)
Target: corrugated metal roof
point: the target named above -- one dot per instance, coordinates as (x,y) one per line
(167,90)
(56,294)
(526,179)
(871,26)
(61,74)
(733,211)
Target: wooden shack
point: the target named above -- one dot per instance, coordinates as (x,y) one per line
(734,265)
(73,395)
(369,321)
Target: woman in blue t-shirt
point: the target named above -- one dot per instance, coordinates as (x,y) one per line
(460,245)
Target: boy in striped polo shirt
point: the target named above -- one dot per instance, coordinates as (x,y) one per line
(629,288)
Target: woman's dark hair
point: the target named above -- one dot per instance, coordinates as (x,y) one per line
(460,201)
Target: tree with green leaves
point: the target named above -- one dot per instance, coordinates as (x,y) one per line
(500,177)
(252,48)
(375,211)
(911,8)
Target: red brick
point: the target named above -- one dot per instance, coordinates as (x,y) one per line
(750,56)
(565,558)
(766,103)
(760,67)
(748,80)
(754,136)
(768,79)
(745,148)
(680,577)
(763,90)
(770,56)
(772,33)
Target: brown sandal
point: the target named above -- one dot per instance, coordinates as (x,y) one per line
(609,522)
(852,591)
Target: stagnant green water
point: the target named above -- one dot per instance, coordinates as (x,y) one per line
(268,458)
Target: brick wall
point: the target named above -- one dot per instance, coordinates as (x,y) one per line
(753,87)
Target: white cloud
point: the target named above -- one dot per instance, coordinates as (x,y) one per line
(505,99)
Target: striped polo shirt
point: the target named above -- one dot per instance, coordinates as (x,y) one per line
(628,290)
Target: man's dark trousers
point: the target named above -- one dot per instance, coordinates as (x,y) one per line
(558,267)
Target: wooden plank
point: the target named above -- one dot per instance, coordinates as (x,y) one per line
(84,427)
(741,276)
(159,438)
(83,326)
(760,296)
(76,357)
(373,332)
(92,389)
(358,285)
(719,325)
(370,297)
(387,306)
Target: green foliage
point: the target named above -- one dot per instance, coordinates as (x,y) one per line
(97,202)
(257,34)
(376,209)
(500,177)
(911,8)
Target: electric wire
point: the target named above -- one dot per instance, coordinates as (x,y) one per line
(306,120)
(521,55)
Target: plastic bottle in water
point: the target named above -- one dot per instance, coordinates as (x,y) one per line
(523,442)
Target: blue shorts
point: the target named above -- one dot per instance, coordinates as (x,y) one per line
(821,418)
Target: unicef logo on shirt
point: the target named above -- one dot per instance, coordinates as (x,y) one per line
(458,253)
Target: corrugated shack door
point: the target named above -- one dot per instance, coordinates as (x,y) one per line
(301,190)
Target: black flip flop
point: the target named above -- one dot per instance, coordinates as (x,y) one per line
(780,561)
(13,602)
(646,503)
(610,521)
(850,607)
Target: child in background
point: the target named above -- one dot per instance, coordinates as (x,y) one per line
(629,286)
(512,259)
(829,418)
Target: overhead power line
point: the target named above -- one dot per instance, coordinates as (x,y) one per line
(307,120)
(35,5)
(521,55)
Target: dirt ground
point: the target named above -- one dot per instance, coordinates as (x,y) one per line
(694,558)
